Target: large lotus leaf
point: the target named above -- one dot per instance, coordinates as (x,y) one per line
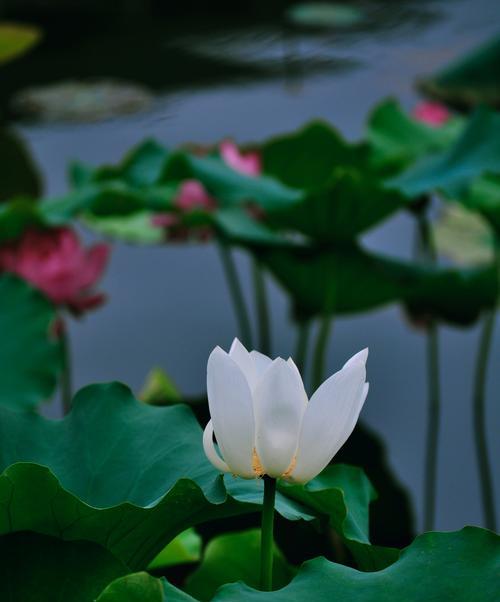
(349,280)
(460,566)
(144,165)
(234,557)
(324,15)
(40,568)
(475,152)
(397,139)
(348,204)
(16,39)
(306,159)
(19,174)
(483,196)
(469,80)
(227,185)
(119,473)
(347,509)
(30,356)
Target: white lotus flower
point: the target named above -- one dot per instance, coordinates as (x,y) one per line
(263,421)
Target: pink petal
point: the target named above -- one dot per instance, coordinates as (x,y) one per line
(80,305)
(246,163)
(93,265)
(192,195)
(165,220)
(434,114)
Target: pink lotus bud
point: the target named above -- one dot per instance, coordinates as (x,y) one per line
(192,195)
(434,114)
(55,262)
(246,163)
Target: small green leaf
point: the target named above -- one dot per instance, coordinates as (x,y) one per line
(234,557)
(30,355)
(184,549)
(134,228)
(160,389)
(19,173)
(16,39)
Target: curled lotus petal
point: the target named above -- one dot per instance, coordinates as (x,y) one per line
(246,163)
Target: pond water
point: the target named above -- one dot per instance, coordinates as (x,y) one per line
(169,307)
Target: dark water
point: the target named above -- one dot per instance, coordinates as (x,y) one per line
(169,307)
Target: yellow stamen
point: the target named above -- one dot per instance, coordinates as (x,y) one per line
(256,464)
(290,469)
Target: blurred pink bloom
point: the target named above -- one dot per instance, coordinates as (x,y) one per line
(192,195)
(55,262)
(434,114)
(246,163)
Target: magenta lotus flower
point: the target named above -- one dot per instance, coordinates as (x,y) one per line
(434,114)
(191,196)
(55,261)
(246,163)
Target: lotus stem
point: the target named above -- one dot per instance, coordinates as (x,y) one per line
(480,422)
(267,539)
(320,349)
(262,306)
(428,253)
(236,294)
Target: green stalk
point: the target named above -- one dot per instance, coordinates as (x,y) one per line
(320,349)
(262,307)
(480,422)
(303,332)
(236,294)
(267,540)
(66,387)
(427,251)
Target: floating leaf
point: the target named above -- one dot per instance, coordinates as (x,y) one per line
(234,557)
(16,39)
(324,15)
(30,356)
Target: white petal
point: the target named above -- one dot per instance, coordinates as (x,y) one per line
(359,357)
(330,418)
(210,451)
(243,358)
(231,410)
(261,363)
(280,402)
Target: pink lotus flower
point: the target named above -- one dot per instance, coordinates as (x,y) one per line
(190,197)
(434,114)
(55,262)
(246,163)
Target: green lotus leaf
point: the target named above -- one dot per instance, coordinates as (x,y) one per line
(398,140)
(40,568)
(184,549)
(350,203)
(234,557)
(350,280)
(119,473)
(307,158)
(460,566)
(475,152)
(30,355)
(469,80)
(16,39)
